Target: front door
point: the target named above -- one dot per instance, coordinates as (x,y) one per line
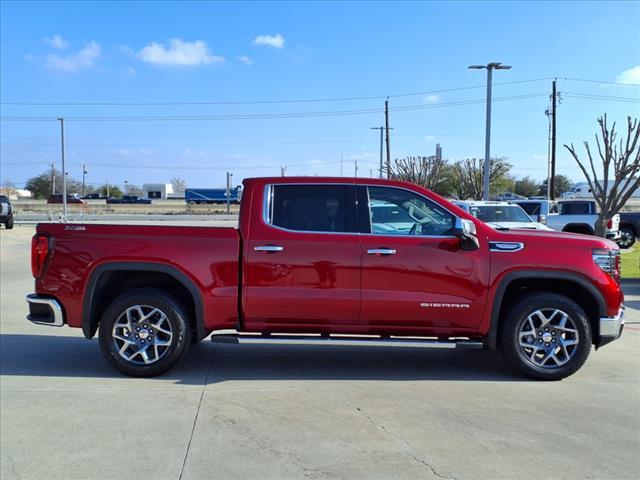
(415,276)
(302,259)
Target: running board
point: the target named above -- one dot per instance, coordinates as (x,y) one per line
(352,341)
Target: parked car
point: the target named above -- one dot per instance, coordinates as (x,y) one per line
(95,196)
(538,209)
(502,215)
(70,199)
(579,216)
(130,199)
(309,258)
(629,229)
(6,212)
(508,197)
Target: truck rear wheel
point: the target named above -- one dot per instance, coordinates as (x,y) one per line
(144,332)
(9,224)
(627,237)
(545,336)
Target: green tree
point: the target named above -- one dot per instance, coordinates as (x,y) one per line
(526,187)
(41,186)
(110,191)
(430,172)
(562,184)
(468,176)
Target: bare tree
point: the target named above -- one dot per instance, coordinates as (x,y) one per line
(429,172)
(179,184)
(620,165)
(9,188)
(468,175)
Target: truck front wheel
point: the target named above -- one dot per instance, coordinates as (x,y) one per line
(144,332)
(545,336)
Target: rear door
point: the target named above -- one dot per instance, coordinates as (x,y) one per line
(415,276)
(302,258)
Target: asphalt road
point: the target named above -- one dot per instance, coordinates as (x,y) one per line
(279,412)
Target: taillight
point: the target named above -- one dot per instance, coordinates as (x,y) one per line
(608,261)
(39,254)
(610,224)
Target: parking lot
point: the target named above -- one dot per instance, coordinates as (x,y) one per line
(281,412)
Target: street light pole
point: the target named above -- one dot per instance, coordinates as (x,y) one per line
(64,172)
(487,139)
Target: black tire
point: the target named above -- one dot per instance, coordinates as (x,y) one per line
(9,224)
(527,359)
(175,319)
(628,237)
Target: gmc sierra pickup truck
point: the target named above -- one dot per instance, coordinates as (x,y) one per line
(316,260)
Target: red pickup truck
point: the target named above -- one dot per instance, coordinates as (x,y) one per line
(331,261)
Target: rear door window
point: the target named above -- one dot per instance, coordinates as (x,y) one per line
(313,208)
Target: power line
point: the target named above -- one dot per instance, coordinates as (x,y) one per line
(599,81)
(588,96)
(263,102)
(329,113)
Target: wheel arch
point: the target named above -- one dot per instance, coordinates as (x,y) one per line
(579,228)
(570,284)
(631,226)
(186,290)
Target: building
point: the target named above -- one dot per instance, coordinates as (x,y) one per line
(157,190)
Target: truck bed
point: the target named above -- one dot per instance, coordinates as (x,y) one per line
(205,257)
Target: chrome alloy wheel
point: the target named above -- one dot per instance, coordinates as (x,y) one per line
(142,334)
(626,239)
(548,338)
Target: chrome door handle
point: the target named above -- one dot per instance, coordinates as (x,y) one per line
(381,251)
(268,248)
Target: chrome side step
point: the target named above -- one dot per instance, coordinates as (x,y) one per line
(352,341)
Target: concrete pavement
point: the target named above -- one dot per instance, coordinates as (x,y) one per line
(281,412)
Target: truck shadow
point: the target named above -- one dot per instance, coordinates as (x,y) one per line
(76,357)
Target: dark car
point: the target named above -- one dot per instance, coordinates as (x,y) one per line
(6,212)
(629,229)
(130,199)
(70,199)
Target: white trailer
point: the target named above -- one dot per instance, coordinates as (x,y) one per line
(582,190)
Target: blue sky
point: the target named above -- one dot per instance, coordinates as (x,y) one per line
(170,52)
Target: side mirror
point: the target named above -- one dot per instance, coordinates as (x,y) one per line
(466,231)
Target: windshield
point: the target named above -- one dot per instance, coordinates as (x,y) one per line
(531,208)
(500,213)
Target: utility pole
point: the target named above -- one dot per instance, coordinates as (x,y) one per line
(487,140)
(552,178)
(107,188)
(355,166)
(53,179)
(283,171)
(64,173)
(386,123)
(228,193)
(84,173)
(381,147)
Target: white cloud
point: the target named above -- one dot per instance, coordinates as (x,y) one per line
(57,42)
(75,61)
(630,76)
(432,98)
(178,54)
(245,59)
(276,41)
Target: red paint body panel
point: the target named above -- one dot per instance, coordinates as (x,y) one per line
(323,282)
(207,256)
